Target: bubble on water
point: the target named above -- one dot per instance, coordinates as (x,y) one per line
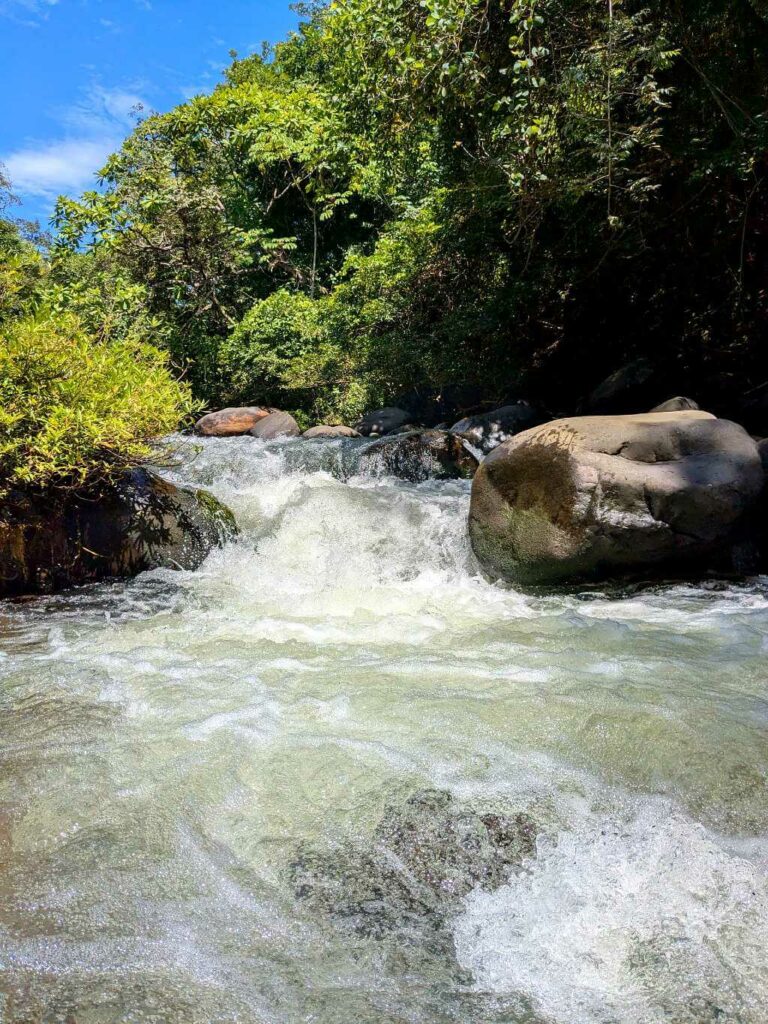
(647,918)
(343,648)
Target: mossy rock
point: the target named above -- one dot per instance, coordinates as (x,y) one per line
(52,541)
(596,497)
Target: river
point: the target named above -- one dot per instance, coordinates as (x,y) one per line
(260,791)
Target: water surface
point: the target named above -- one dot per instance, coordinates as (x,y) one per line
(175,749)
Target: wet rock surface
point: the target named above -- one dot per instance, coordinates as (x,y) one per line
(141,522)
(489,430)
(420,455)
(424,857)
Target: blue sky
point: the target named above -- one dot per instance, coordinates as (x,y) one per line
(72,73)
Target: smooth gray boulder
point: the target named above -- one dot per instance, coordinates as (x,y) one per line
(138,522)
(678,404)
(599,496)
(277,424)
(382,421)
(232,422)
(487,431)
(419,456)
(326,430)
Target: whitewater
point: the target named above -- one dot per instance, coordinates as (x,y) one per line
(203,777)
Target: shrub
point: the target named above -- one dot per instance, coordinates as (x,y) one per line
(255,360)
(75,411)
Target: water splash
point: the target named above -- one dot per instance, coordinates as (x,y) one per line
(168,744)
(644,916)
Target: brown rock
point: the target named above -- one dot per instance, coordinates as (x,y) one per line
(231,422)
(277,424)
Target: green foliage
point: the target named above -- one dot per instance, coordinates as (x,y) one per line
(74,410)
(22,268)
(259,357)
(81,392)
(433,191)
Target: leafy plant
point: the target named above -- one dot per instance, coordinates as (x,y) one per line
(74,410)
(516,193)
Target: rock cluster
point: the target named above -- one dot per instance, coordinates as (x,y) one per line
(231,422)
(674,491)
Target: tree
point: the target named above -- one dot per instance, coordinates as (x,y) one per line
(508,192)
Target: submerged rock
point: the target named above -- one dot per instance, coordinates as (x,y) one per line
(489,430)
(382,421)
(141,522)
(424,856)
(420,455)
(325,430)
(593,496)
(230,422)
(277,424)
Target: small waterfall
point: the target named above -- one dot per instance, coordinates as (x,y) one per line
(335,775)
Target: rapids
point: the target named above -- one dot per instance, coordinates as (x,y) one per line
(175,749)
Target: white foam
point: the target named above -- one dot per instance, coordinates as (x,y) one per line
(645,917)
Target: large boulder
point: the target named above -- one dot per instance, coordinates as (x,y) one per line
(421,455)
(326,430)
(230,422)
(382,421)
(487,431)
(277,424)
(140,522)
(600,496)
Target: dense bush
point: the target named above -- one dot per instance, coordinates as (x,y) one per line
(74,410)
(509,193)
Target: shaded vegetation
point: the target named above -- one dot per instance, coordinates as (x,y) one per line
(438,191)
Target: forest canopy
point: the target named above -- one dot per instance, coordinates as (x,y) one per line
(517,196)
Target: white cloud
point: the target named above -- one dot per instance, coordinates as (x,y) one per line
(103,110)
(56,167)
(91,130)
(28,12)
